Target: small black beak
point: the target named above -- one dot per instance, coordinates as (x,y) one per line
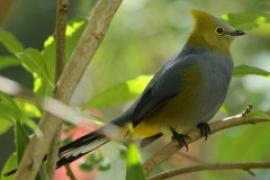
(237,33)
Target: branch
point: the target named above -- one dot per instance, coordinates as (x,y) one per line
(5,8)
(168,150)
(70,174)
(215,167)
(74,69)
(60,31)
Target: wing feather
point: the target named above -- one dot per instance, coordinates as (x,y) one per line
(166,84)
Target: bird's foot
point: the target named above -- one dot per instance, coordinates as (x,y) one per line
(180,138)
(204,129)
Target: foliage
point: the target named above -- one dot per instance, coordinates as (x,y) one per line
(116,77)
(134,168)
(243,70)
(119,93)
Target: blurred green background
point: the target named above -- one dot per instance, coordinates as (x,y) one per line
(143,35)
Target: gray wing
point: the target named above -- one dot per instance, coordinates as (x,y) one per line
(166,84)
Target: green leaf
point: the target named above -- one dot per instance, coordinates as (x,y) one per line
(8,108)
(10,164)
(73,32)
(134,169)
(10,42)
(6,61)
(8,112)
(27,108)
(41,88)
(258,115)
(21,139)
(247,20)
(244,70)
(34,62)
(17,112)
(14,109)
(5,125)
(119,93)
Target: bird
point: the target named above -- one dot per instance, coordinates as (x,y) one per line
(185,93)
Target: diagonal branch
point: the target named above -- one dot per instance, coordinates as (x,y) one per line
(213,167)
(89,42)
(168,150)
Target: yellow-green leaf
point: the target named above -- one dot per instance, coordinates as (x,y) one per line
(258,115)
(10,164)
(10,42)
(244,70)
(119,93)
(6,61)
(247,20)
(5,125)
(134,169)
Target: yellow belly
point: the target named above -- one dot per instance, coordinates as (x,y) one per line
(146,129)
(175,114)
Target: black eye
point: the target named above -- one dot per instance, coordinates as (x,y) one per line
(220,31)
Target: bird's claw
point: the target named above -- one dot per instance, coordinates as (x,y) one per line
(204,129)
(180,138)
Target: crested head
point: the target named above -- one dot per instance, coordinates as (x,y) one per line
(211,32)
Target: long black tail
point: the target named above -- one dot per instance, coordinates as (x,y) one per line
(76,149)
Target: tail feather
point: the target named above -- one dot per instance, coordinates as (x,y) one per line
(81,151)
(85,144)
(94,136)
(86,139)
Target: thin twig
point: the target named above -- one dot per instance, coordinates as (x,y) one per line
(70,174)
(168,150)
(205,167)
(60,31)
(89,42)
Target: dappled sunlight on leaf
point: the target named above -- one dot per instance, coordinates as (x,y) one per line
(119,93)
(27,108)
(137,85)
(73,26)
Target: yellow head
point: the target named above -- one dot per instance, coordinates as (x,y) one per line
(211,32)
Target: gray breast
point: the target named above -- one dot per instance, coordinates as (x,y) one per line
(216,74)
